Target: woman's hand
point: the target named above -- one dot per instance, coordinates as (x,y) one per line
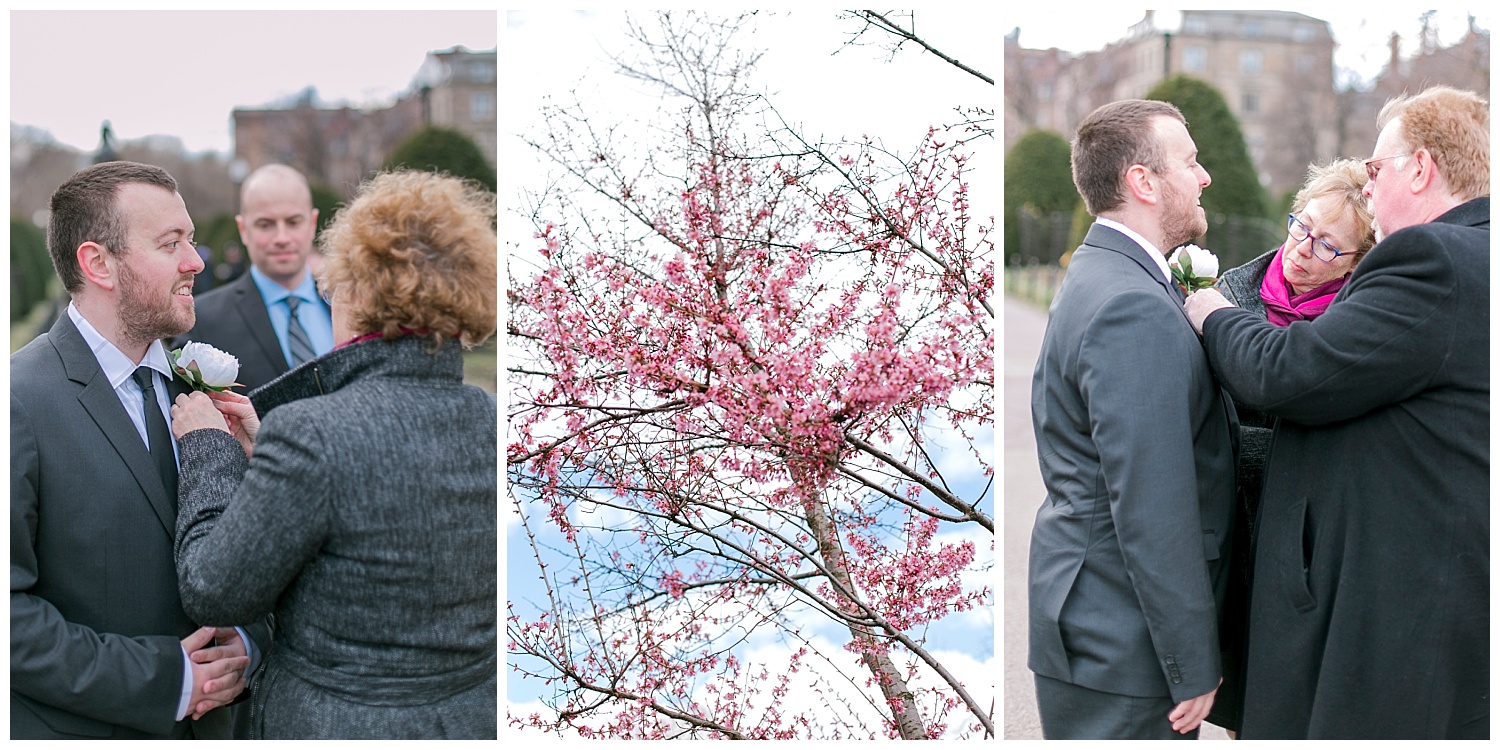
(194,411)
(229,412)
(239,414)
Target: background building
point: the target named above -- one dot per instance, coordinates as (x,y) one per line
(338,147)
(1274,68)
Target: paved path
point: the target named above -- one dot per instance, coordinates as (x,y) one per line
(1024,325)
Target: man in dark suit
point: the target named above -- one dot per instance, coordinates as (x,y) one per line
(1137,452)
(271,318)
(1369,616)
(99,644)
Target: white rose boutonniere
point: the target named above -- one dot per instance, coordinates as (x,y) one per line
(205,368)
(1194,268)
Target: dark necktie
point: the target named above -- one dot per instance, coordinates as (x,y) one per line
(158,436)
(296,335)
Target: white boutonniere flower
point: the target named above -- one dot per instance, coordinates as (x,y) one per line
(1194,268)
(205,368)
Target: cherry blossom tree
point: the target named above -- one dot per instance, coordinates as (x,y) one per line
(744,366)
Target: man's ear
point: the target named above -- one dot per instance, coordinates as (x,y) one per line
(98,265)
(1141,183)
(1422,170)
(239,223)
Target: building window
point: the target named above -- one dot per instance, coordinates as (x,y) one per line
(482,106)
(1302,33)
(1194,59)
(1195,25)
(481,71)
(1251,29)
(1251,62)
(1044,92)
(1250,103)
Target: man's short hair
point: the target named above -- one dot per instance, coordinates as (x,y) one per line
(84,210)
(1110,140)
(1454,126)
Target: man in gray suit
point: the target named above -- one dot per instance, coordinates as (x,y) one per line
(271,318)
(1136,446)
(99,644)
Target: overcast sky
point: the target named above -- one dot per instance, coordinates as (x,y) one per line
(1361,30)
(182,72)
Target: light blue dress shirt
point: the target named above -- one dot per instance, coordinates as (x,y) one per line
(313,313)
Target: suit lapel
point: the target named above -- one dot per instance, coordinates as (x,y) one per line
(103,406)
(252,308)
(1108,238)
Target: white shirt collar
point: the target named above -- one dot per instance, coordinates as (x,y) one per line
(116,366)
(1156,255)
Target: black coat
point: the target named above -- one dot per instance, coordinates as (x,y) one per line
(1370,613)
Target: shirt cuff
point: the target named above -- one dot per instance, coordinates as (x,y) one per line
(252,650)
(187,685)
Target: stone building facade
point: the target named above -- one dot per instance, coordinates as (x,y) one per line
(1274,68)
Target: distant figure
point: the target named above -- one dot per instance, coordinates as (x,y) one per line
(271,318)
(231,267)
(203,281)
(106,151)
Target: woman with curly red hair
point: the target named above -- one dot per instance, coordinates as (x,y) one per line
(361,512)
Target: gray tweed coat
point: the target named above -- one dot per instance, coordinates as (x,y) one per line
(365,523)
(1241,286)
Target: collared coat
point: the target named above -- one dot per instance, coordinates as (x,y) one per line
(1370,611)
(1136,445)
(365,523)
(95,618)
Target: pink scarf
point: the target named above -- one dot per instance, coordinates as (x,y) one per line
(1283,307)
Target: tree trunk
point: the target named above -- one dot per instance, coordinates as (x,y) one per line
(898,696)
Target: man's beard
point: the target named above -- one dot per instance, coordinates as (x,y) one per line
(1181,221)
(144,315)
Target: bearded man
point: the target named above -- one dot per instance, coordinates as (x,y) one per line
(1129,551)
(99,644)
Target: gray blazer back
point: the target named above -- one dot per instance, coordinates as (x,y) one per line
(1136,445)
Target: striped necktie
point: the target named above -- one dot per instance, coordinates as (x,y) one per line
(296,335)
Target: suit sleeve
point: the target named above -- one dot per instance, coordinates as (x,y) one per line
(246,529)
(1139,381)
(1381,342)
(133,682)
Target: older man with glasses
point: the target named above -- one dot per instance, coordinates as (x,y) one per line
(1370,612)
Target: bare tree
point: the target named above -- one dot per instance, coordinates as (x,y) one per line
(904,30)
(733,368)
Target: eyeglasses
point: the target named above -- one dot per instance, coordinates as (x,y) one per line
(1371,168)
(1321,249)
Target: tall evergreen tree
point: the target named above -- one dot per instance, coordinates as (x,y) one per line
(444,150)
(1037,174)
(30,268)
(1236,190)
